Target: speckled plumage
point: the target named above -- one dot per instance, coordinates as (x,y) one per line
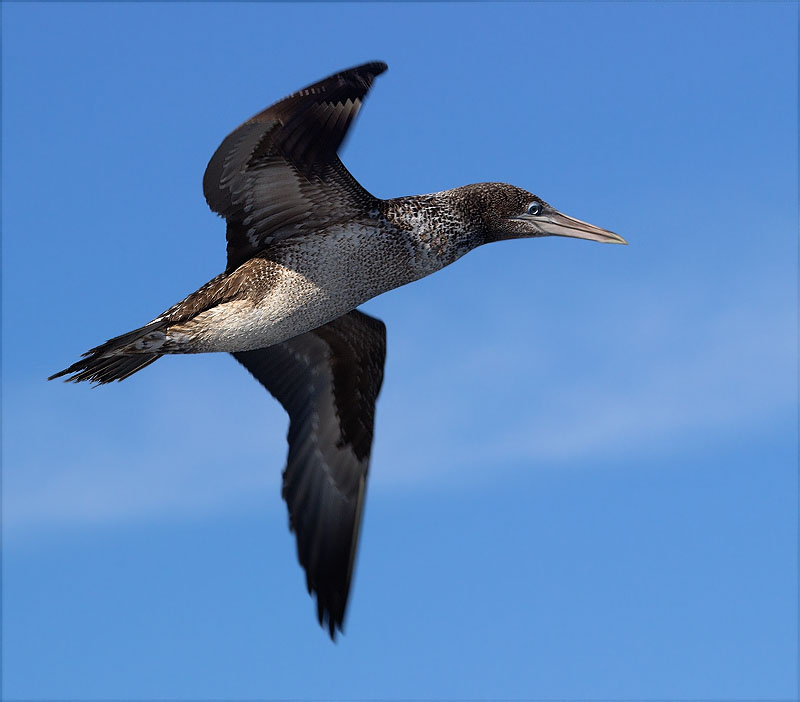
(307,244)
(300,283)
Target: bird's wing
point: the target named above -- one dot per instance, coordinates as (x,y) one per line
(328,381)
(278,174)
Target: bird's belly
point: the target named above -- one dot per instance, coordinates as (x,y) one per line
(301,285)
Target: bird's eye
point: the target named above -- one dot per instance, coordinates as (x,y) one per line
(534,209)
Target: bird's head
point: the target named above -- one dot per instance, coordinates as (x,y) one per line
(508,212)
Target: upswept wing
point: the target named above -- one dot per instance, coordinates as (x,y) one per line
(328,381)
(278,175)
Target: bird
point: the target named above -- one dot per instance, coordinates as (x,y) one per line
(306,245)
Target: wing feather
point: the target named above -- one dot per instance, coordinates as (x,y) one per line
(278,175)
(328,381)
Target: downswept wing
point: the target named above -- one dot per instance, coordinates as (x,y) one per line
(278,174)
(328,381)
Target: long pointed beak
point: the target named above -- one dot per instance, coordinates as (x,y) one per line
(558,224)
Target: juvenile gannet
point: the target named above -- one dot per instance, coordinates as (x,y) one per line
(307,244)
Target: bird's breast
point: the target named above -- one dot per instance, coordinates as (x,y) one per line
(301,283)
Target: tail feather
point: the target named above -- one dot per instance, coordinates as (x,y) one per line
(122,356)
(109,361)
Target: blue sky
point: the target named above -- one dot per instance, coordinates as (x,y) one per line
(584,475)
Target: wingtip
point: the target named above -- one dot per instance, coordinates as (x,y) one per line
(333,624)
(73,369)
(332,630)
(370,70)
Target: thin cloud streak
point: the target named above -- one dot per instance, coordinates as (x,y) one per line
(733,378)
(734,374)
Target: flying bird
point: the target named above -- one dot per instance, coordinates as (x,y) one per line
(307,244)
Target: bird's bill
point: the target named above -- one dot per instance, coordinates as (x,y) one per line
(558,224)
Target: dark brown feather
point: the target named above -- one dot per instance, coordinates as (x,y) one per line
(278,174)
(328,381)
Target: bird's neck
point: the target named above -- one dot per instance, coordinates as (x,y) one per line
(435,225)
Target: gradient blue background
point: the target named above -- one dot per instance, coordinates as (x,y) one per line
(584,475)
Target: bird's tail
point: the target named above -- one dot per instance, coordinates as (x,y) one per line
(115,360)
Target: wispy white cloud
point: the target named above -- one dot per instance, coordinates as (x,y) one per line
(154,449)
(651,376)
